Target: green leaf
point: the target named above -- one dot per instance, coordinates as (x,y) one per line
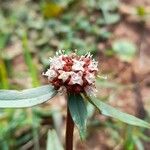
(108,5)
(29,61)
(78,112)
(51,9)
(3,40)
(141,11)
(128,143)
(26,98)
(3,75)
(53,141)
(125,50)
(138,142)
(113,112)
(111,18)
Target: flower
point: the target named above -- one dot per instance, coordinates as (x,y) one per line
(91,90)
(64,75)
(57,63)
(51,74)
(90,77)
(76,73)
(78,65)
(93,65)
(76,78)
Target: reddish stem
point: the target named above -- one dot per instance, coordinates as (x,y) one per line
(69,131)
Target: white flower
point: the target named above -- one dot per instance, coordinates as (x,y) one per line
(90,77)
(90,90)
(76,73)
(62,90)
(76,78)
(88,55)
(78,65)
(93,65)
(57,63)
(64,75)
(60,52)
(51,74)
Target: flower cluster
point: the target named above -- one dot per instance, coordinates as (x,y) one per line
(75,73)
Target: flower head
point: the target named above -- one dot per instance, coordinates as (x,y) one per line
(76,73)
(51,74)
(78,65)
(57,63)
(76,78)
(64,75)
(90,77)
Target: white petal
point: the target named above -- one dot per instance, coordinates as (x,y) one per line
(76,78)
(90,90)
(57,63)
(90,77)
(62,90)
(51,74)
(64,75)
(93,65)
(78,65)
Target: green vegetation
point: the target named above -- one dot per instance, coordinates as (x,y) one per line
(31,32)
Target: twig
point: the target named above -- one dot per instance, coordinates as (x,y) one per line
(141,112)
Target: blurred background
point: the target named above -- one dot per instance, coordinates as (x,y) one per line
(116,32)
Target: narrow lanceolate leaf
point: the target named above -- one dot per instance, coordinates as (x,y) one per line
(124,117)
(53,143)
(26,98)
(78,112)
